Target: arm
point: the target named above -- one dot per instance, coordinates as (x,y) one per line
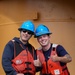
(63,55)
(6,59)
(65,59)
(38,64)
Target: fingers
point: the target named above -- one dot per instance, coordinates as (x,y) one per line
(38,57)
(20,74)
(37,61)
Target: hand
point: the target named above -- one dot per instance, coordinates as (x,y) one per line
(37,62)
(54,58)
(20,74)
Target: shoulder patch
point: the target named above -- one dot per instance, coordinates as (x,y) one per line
(40,48)
(13,40)
(54,45)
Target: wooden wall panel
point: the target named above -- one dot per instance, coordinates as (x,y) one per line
(58,15)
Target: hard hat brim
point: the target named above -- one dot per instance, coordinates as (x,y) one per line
(35,36)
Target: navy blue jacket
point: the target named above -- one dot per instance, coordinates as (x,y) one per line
(8,55)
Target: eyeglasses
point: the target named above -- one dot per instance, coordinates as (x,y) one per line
(29,32)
